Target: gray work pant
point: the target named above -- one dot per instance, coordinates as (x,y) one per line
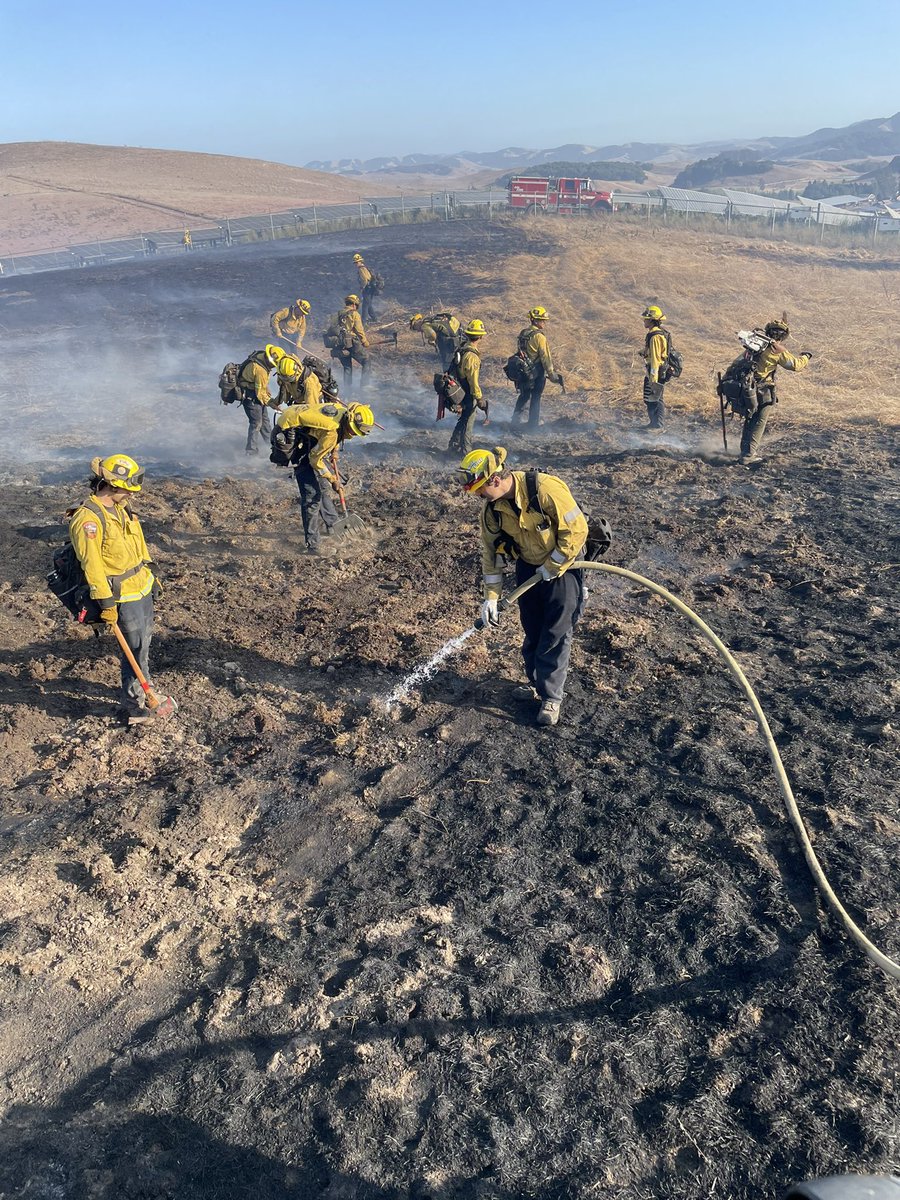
(530,397)
(461,438)
(257,422)
(753,430)
(549,612)
(316,503)
(656,406)
(367,311)
(136,626)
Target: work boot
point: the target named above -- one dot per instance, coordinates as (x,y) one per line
(320,551)
(549,713)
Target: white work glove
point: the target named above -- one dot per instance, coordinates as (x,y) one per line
(489,613)
(545,573)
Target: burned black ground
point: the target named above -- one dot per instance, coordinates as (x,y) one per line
(295,945)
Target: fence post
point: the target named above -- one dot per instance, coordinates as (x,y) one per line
(727,214)
(315,220)
(648,209)
(360,213)
(402,210)
(774,211)
(272,225)
(490,203)
(665,211)
(821,222)
(874,228)
(227,232)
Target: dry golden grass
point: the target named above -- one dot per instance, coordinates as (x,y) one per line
(595,278)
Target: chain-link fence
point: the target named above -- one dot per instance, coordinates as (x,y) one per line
(803,220)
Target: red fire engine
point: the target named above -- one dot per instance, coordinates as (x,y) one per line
(548,195)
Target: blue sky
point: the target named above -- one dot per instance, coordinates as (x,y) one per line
(350,79)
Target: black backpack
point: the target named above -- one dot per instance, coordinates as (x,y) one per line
(320,368)
(282,443)
(673,364)
(450,391)
(517,369)
(67,581)
(599,538)
(228,383)
(376,284)
(737,387)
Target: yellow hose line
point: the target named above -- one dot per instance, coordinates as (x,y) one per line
(888,965)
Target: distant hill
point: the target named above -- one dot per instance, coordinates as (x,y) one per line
(879,138)
(607,171)
(55,193)
(730,164)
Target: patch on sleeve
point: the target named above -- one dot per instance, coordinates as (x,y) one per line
(90,529)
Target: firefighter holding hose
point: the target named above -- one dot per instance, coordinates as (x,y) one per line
(533,519)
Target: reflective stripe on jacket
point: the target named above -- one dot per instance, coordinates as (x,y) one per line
(558,545)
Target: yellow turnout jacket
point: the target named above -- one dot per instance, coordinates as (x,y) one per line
(559,545)
(321,426)
(110,546)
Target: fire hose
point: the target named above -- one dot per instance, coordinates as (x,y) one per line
(888,965)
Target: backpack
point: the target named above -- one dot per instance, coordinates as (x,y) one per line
(517,369)
(67,581)
(450,391)
(673,364)
(599,538)
(331,335)
(320,368)
(282,444)
(737,387)
(376,284)
(228,383)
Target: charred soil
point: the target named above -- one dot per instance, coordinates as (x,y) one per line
(294,944)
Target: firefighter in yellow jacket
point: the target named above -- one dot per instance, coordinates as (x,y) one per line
(366,287)
(656,357)
(253,384)
(109,543)
(469,371)
(765,363)
(534,348)
(441,331)
(538,523)
(346,336)
(311,436)
(290,323)
(297,384)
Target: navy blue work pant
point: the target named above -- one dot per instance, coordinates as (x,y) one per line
(549,612)
(136,626)
(315,503)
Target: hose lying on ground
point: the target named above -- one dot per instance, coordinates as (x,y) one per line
(888,965)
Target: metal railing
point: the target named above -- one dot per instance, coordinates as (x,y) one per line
(667,206)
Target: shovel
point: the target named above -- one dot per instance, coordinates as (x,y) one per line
(164,708)
(349,522)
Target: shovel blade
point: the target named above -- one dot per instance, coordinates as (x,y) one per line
(349,524)
(164,708)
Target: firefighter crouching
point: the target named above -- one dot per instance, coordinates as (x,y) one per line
(297,384)
(468,371)
(656,355)
(253,383)
(109,543)
(544,536)
(290,323)
(535,350)
(440,331)
(310,438)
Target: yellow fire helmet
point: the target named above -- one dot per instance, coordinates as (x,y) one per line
(475,329)
(274,354)
(288,368)
(303,305)
(479,465)
(119,471)
(416,320)
(653,313)
(359,419)
(357,258)
(352,299)
(538,314)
